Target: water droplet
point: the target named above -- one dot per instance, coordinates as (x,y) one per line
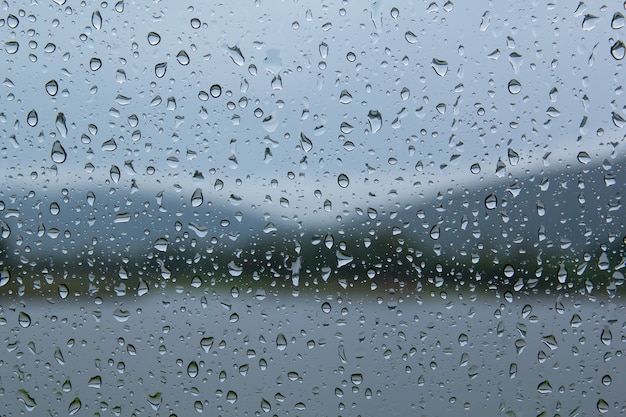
(74,406)
(96,20)
(215,91)
(183,57)
(61,124)
(583,157)
(160,69)
(475,168)
(618,21)
(5,277)
(516,61)
(405,94)
(410,37)
(606,380)
(440,66)
(231,397)
(326,307)
(114,173)
(95,64)
(345,97)
(58,154)
(435,232)
(95,382)
(121,315)
(192,369)
(12,21)
(395,12)
(491,202)
(235,54)
(343,180)
(161,244)
(196,198)
(375,120)
(52,87)
(544,387)
(515,86)
(23,319)
(206,343)
(32,119)
(618,120)
(155,400)
(281,342)
(618,50)
(513,157)
(11,47)
(305,142)
(109,145)
(589,22)
(265,405)
(606,337)
(24,396)
(63,291)
(603,406)
(154,38)
(195,23)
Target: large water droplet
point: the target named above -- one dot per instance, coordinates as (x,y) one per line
(192,369)
(215,91)
(5,277)
(440,66)
(11,47)
(603,406)
(96,20)
(544,387)
(491,202)
(32,119)
(52,87)
(281,342)
(58,154)
(515,86)
(196,198)
(606,337)
(61,124)
(74,406)
(160,69)
(24,320)
(343,180)
(235,54)
(410,37)
(618,50)
(161,244)
(95,64)
(305,142)
(375,120)
(154,38)
(183,57)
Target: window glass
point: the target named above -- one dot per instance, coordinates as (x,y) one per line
(312,208)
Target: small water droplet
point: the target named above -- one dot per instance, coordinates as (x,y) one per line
(61,124)
(435,232)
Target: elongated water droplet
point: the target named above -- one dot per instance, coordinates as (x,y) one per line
(603,406)
(5,277)
(618,50)
(375,120)
(305,142)
(410,37)
(24,396)
(435,232)
(196,198)
(61,124)
(281,342)
(606,337)
(96,20)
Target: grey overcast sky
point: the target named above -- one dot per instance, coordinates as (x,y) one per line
(424,91)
